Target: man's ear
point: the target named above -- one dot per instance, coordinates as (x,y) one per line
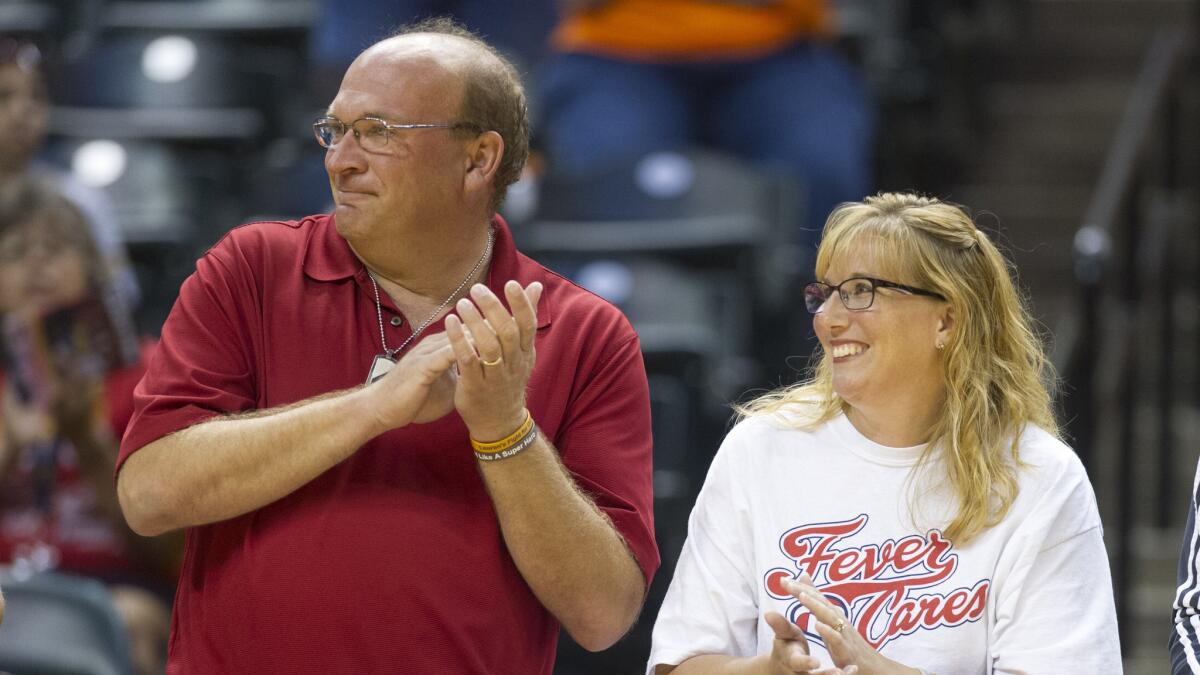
(483,160)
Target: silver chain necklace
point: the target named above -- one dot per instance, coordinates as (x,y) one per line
(384,362)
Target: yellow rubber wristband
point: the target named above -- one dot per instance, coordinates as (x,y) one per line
(517,448)
(506,442)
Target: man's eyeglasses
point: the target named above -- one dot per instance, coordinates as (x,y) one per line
(856,293)
(371,133)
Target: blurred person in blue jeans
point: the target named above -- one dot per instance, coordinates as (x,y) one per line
(758,79)
(66,382)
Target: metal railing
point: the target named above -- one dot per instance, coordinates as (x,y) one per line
(1121,343)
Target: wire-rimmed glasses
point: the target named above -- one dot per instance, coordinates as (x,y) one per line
(371,133)
(857,293)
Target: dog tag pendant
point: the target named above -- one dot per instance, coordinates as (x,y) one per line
(380,367)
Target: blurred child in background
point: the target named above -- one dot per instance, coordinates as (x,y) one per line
(69,367)
(24,116)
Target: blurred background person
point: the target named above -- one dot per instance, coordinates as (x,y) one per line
(759,79)
(1185,628)
(24,108)
(66,384)
(910,508)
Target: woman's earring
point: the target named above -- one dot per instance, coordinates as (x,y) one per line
(941,345)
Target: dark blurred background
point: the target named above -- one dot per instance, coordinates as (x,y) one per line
(1068,126)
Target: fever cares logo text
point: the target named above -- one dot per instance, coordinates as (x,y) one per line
(878,586)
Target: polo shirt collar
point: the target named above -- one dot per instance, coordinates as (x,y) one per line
(329,258)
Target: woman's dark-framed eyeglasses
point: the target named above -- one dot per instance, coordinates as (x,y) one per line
(857,293)
(371,133)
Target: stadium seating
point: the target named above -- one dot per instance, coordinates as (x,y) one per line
(56,624)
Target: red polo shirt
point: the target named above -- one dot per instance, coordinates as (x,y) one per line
(391,561)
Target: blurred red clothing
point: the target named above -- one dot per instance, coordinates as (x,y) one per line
(81,537)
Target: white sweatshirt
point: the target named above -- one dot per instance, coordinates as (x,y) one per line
(1032,594)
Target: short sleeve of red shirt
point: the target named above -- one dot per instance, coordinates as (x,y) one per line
(606,444)
(202,365)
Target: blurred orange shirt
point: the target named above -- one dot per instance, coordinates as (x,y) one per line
(656,30)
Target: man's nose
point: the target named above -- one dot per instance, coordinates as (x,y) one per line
(345,155)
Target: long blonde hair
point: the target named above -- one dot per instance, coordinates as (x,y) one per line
(996,375)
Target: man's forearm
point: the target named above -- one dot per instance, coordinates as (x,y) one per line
(569,553)
(225,467)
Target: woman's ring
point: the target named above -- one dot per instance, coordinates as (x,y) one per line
(494,362)
(840,625)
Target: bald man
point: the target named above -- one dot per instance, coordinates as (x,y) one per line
(396,443)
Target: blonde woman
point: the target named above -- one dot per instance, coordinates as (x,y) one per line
(910,508)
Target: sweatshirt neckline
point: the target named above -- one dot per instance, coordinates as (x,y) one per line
(871,451)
